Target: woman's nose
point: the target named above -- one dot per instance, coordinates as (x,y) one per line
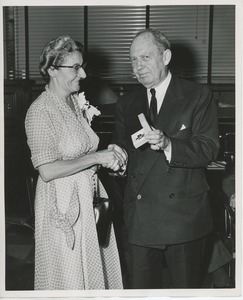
(81,73)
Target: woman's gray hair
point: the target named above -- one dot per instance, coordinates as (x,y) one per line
(55,52)
(160,38)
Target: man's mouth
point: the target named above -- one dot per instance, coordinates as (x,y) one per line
(143,75)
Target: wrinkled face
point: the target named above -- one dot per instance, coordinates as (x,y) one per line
(67,79)
(148,63)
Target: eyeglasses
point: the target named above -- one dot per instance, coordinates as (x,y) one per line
(75,67)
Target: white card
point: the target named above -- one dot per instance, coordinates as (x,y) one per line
(144,122)
(138,138)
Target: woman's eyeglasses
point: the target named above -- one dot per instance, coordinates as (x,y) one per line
(75,67)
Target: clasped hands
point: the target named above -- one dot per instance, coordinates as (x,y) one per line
(114,158)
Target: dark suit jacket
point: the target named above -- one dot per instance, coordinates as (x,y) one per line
(167,203)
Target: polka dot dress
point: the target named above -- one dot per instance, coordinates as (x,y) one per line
(67,253)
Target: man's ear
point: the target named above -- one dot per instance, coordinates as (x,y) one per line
(51,71)
(167,56)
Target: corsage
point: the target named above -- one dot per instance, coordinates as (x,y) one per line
(89,111)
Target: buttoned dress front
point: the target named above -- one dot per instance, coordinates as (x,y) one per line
(67,253)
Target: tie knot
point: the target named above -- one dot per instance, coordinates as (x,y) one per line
(152,91)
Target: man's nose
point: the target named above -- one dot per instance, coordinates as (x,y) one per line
(139,64)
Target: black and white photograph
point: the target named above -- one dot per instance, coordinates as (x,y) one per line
(94,203)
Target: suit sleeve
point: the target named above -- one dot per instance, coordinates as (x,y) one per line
(119,135)
(202,146)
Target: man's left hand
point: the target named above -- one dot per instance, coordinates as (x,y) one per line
(157,139)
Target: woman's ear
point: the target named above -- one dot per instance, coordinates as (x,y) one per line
(167,56)
(51,71)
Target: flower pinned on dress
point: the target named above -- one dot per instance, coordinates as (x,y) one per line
(88,110)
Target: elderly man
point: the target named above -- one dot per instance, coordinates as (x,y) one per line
(166,205)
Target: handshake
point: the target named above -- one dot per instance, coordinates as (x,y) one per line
(114,158)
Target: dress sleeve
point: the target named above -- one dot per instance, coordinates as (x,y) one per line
(41,136)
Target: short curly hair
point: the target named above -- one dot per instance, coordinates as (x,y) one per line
(55,52)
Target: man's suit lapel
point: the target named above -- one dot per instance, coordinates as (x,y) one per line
(140,103)
(173,104)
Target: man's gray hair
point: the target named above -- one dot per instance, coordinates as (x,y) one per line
(160,38)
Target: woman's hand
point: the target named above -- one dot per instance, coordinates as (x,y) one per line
(120,152)
(110,159)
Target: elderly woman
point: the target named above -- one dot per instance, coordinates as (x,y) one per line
(63,149)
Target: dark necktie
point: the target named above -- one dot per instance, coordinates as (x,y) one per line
(153,106)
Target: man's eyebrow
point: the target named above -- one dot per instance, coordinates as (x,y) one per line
(148,54)
(142,55)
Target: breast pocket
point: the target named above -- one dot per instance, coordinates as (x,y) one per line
(186,132)
(182,132)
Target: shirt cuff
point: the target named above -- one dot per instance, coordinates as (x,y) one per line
(167,151)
